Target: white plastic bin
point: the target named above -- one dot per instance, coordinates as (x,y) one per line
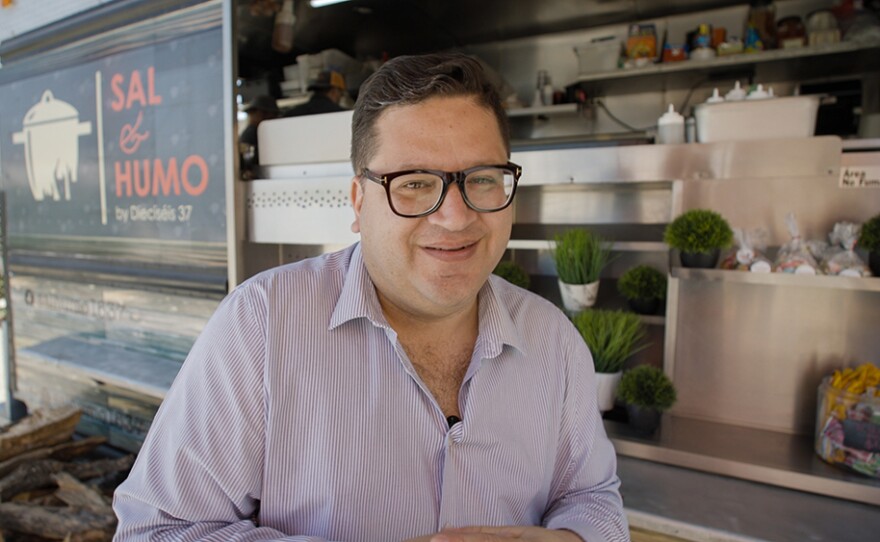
(772,118)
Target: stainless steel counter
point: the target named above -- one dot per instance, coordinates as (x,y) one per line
(707,507)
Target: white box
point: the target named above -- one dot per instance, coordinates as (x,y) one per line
(291,73)
(598,56)
(307,139)
(771,118)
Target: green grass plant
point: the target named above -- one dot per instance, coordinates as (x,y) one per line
(580,256)
(612,336)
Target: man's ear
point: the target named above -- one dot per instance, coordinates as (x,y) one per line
(357,200)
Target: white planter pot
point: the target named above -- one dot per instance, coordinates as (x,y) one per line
(577,297)
(606,388)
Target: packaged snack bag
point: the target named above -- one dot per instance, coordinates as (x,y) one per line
(841,258)
(794,256)
(747,254)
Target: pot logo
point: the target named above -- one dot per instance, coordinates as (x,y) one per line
(50,135)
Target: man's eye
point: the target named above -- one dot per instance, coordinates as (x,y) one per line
(482,180)
(415,184)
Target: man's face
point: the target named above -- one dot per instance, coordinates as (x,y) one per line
(433,266)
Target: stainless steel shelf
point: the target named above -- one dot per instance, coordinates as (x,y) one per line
(618,246)
(726,62)
(758,455)
(545,110)
(867,284)
(653,320)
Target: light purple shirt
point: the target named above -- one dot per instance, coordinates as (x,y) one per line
(298,416)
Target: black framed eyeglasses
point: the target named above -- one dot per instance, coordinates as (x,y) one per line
(419,192)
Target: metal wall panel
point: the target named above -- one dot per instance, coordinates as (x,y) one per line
(26,15)
(751,350)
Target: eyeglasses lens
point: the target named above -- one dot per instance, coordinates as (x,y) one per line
(487,189)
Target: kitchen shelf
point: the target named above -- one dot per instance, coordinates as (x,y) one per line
(618,246)
(759,455)
(866,284)
(544,110)
(726,62)
(652,320)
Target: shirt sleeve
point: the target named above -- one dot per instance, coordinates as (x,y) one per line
(199,473)
(586,497)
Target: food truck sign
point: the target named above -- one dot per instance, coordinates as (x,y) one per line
(129,145)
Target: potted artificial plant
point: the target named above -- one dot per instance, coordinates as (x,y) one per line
(580,256)
(643,287)
(869,240)
(699,234)
(647,392)
(513,273)
(612,336)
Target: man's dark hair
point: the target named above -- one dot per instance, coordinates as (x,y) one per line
(409,80)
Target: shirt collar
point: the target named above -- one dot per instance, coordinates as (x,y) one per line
(358,299)
(496,325)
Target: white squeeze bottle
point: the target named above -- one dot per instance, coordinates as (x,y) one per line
(758,94)
(670,127)
(736,93)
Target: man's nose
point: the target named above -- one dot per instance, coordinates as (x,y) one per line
(454,213)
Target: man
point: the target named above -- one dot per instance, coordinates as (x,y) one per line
(326,91)
(394,390)
(259,109)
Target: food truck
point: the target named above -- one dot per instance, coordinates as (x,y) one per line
(128,218)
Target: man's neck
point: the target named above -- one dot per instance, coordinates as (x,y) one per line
(461,323)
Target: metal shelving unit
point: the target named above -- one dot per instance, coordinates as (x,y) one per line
(867,284)
(724,63)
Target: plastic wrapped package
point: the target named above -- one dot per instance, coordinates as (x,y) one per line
(748,252)
(848,419)
(794,256)
(820,249)
(841,258)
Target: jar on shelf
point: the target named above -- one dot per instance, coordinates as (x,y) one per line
(791,32)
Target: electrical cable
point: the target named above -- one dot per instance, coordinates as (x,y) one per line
(690,93)
(613,117)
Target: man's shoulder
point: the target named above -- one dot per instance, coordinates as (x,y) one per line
(318,275)
(534,317)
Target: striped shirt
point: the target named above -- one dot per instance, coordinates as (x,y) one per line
(298,416)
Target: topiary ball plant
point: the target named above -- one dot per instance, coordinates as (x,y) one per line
(642,282)
(646,386)
(699,234)
(513,273)
(644,288)
(869,240)
(698,230)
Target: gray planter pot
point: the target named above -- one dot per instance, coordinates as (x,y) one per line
(701,260)
(874,262)
(643,420)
